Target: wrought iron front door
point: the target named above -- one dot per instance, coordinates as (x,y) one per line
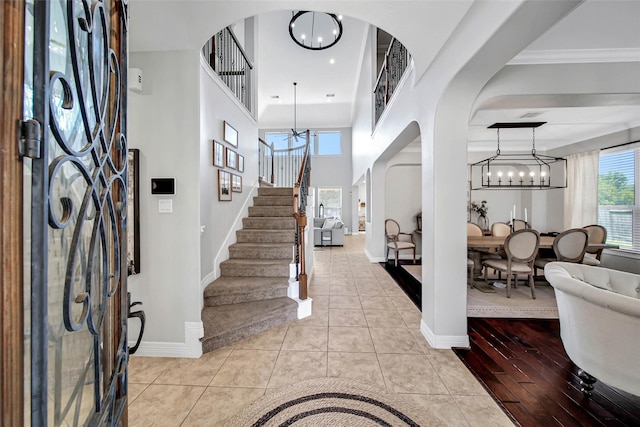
(75,95)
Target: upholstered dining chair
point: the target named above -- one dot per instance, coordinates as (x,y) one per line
(597,234)
(568,246)
(500,229)
(521,247)
(394,236)
(474,230)
(519,224)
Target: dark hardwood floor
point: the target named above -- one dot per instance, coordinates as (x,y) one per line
(522,363)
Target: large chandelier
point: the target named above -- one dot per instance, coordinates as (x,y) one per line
(529,171)
(315,30)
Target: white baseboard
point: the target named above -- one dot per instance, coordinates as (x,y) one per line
(443,341)
(373,258)
(191,348)
(208,279)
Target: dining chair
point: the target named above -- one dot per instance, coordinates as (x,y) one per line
(519,224)
(394,236)
(474,230)
(597,234)
(500,229)
(568,246)
(521,247)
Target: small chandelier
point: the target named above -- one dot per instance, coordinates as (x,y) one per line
(530,171)
(315,30)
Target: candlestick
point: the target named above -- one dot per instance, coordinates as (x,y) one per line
(525,214)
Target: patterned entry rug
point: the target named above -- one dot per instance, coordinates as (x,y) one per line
(494,302)
(332,402)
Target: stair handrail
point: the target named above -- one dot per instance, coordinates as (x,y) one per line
(266,155)
(300,191)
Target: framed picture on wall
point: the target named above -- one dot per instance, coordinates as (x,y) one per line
(232,159)
(224,185)
(240,163)
(236,183)
(218,154)
(230,134)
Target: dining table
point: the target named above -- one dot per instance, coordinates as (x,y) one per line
(480,245)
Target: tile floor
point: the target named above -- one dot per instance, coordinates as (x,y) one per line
(363,327)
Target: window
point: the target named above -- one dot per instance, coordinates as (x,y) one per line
(280,140)
(328,144)
(322,143)
(618,207)
(331,199)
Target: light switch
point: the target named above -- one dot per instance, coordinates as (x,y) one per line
(165,205)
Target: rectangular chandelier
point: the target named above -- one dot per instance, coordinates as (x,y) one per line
(530,171)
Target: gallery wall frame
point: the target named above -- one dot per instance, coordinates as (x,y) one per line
(232,159)
(240,163)
(230,134)
(236,183)
(218,154)
(133,211)
(224,186)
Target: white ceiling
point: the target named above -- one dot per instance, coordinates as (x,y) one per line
(598,30)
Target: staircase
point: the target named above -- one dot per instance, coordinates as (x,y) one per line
(250,296)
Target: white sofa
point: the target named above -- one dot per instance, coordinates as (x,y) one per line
(599,322)
(331,228)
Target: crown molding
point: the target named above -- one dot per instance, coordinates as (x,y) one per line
(575,56)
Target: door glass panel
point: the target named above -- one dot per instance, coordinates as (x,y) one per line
(86,171)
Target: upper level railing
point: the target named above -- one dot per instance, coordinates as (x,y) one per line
(230,62)
(280,167)
(266,162)
(396,61)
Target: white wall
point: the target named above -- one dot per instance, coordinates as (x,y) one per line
(164,125)
(404,200)
(222,218)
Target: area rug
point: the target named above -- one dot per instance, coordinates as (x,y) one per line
(486,300)
(520,305)
(332,402)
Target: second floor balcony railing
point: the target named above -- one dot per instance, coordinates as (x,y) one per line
(230,62)
(396,61)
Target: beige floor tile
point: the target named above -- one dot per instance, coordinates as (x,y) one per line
(315,290)
(410,373)
(384,319)
(422,341)
(144,370)
(218,404)
(362,272)
(194,371)
(403,303)
(338,290)
(365,281)
(343,281)
(376,302)
(246,368)
(394,340)
(134,390)
(321,301)
(372,290)
(345,301)
(306,338)
(163,405)
(442,408)
(482,411)
(412,318)
(358,366)
(454,374)
(351,339)
(341,272)
(345,317)
(319,317)
(295,366)
(320,281)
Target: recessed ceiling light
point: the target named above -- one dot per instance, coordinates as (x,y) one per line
(331,95)
(332,61)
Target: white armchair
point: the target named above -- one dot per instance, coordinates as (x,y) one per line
(599,322)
